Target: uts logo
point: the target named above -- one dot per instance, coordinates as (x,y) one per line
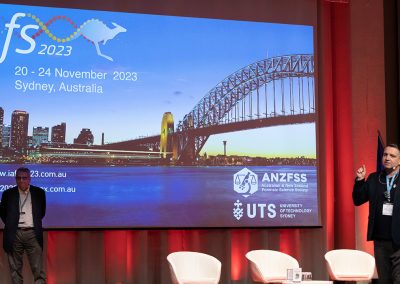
(245,182)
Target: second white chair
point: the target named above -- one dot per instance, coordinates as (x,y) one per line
(267,266)
(350,265)
(189,267)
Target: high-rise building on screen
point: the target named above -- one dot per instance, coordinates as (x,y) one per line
(40,135)
(85,137)
(19,129)
(6,135)
(58,133)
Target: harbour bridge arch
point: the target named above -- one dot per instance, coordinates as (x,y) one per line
(266,90)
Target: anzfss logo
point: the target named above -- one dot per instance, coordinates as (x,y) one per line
(245,182)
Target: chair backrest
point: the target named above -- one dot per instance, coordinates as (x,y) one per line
(350,265)
(269,265)
(193,267)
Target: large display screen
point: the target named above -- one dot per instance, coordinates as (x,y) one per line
(139,120)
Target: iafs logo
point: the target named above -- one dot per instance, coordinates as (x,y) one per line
(93,31)
(245,182)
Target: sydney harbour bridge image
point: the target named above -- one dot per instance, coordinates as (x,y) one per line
(271,92)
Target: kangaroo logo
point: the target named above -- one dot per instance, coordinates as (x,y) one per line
(97,32)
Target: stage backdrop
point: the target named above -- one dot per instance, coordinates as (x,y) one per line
(138,256)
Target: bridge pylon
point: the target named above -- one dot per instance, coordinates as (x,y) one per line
(166,137)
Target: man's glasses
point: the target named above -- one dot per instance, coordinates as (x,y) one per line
(21,178)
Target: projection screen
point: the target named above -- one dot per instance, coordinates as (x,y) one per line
(146,120)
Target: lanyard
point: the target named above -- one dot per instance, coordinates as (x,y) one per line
(390,183)
(23,203)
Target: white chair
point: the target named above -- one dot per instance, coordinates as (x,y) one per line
(188,267)
(269,266)
(350,265)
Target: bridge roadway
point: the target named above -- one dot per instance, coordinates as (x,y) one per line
(137,144)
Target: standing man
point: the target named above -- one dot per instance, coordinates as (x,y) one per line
(381,189)
(22,209)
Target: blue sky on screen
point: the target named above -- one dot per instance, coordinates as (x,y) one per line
(177,61)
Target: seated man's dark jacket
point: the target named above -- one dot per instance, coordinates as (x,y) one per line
(9,213)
